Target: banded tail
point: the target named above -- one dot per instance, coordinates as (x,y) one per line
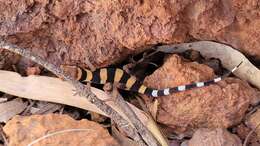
(112,75)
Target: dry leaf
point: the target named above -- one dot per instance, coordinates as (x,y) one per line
(47,107)
(2,99)
(122,139)
(229,58)
(55,90)
(154,108)
(10,109)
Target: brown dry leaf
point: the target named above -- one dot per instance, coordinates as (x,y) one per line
(154,108)
(122,139)
(11,108)
(229,58)
(55,90)
(46,108)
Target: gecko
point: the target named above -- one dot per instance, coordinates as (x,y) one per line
(117,75)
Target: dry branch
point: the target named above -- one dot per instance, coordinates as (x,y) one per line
(85,91)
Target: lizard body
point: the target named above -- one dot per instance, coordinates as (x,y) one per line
(116,75)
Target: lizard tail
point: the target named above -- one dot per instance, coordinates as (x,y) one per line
(167,91)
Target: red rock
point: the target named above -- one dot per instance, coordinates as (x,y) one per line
(68,32)
(216,137)
(23,130)
(234,22)
(220,105)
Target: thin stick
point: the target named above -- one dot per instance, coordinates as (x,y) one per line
(83,91)
(3,136)
(58,132)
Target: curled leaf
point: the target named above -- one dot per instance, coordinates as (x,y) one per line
(229,58)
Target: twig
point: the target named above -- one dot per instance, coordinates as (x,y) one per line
(82,91)
(3,136)
(58,132)
(250,133)
(132,116)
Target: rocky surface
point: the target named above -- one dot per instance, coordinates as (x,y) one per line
(219,105)
(234,22)
(104,32)
(77,32)
(23,130)
(216,137)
